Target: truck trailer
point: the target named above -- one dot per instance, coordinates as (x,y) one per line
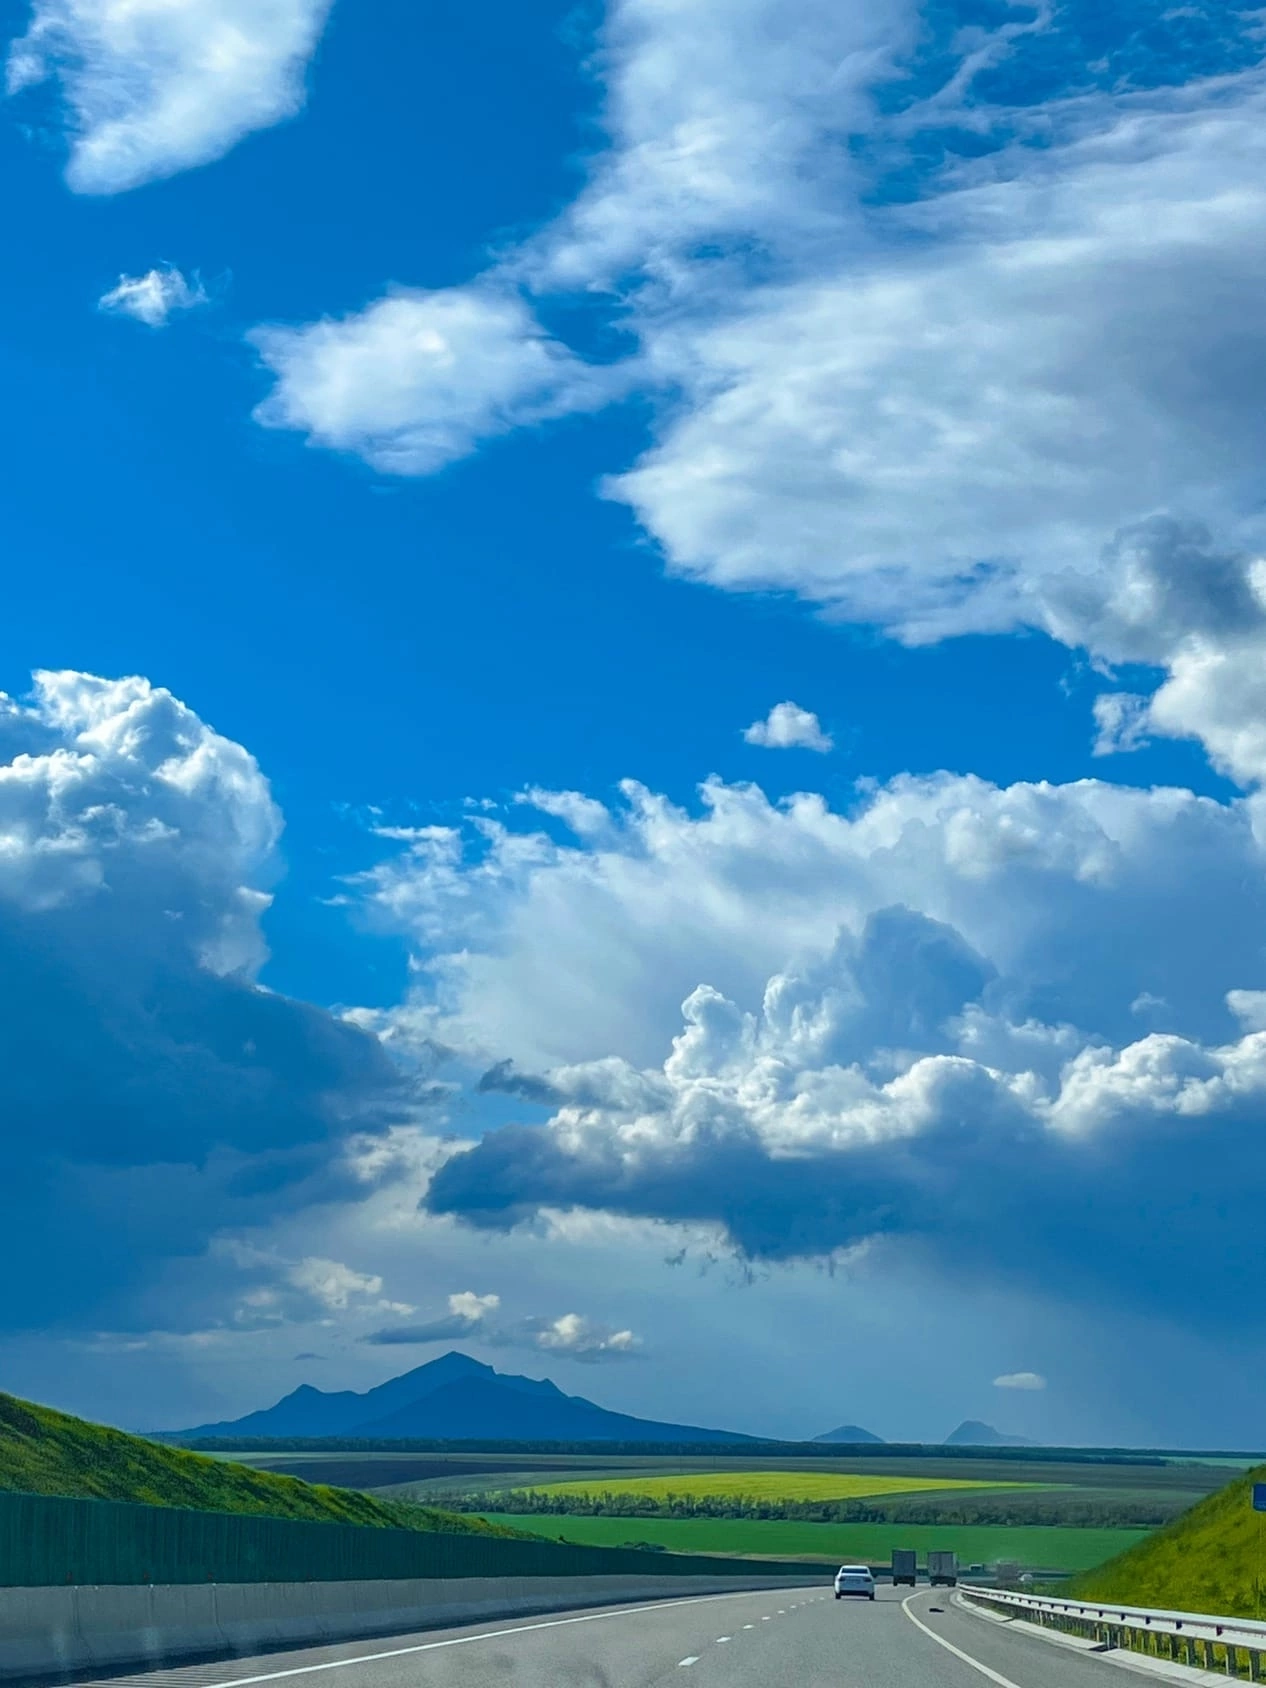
(943,1569)
(905,1567)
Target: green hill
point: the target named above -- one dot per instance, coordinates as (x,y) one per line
(1210,1559)
(43,1452)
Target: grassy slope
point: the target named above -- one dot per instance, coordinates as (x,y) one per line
(1054,1549)
(766,1485)
(1212,1559)
(45,1452)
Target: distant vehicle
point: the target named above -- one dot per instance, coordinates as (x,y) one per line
(854,1579)
(943,1569)
(974,1570)
(905,1567)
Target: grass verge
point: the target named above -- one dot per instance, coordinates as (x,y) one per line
(1212,1559)
(44,1452)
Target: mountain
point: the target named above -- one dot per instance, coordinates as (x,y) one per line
(1208,1560)
(848,1433)
(971,1433)
(454,1398)
(314,1412)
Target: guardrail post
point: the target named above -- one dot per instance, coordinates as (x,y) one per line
(1232,1661)
(1254,1665)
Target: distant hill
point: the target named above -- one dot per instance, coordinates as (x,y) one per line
(453,1398)
(848,1433)
(43,1452)
(971,1433)
(1208,1560)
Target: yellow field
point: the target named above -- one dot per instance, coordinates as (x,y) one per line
(766,1485)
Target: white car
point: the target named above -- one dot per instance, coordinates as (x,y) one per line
(854,1579)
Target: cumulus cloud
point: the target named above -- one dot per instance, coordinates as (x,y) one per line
(151,1088)
(553,952)
(788,727)
(153,297)
(467,1316)
(1020,1380)
(913,1025)
(1165,595)
(331,1283)
(153,87)
(471,1316)
(581,1339)
(417,379)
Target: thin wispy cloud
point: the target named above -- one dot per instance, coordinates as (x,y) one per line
(153,298)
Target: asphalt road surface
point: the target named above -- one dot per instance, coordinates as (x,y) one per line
(792,1638)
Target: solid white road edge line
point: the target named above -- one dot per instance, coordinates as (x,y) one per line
(484,1635)
(993,1675)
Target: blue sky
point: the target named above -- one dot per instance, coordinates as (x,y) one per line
(422,426)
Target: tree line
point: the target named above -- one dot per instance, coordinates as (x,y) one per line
(1141,1511)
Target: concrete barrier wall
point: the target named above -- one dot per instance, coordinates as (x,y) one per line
(46,1630)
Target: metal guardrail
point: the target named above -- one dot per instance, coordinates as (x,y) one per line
(1234,1646)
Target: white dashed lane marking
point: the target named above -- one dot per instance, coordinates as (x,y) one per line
(692,1660)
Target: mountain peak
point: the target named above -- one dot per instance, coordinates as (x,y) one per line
(848,1433)
(974,1433)
(455,1398)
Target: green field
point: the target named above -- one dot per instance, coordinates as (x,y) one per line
(1052,1549)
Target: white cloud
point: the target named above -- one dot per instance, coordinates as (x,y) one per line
(932,413)
(1165,595)
(151,298)
(418,379)
(549,954)
(156,86)
(473,1317)
(582,1339)
(1121,718)
(467,1305)
(916,1021)
(1020,1380)
(788,727)
(713,115)
(331,1283)
(724,125)
(918,431)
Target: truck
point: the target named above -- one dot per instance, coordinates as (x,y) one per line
(943,1569)
(905,1567)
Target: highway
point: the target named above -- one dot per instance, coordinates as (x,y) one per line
(793,1638)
